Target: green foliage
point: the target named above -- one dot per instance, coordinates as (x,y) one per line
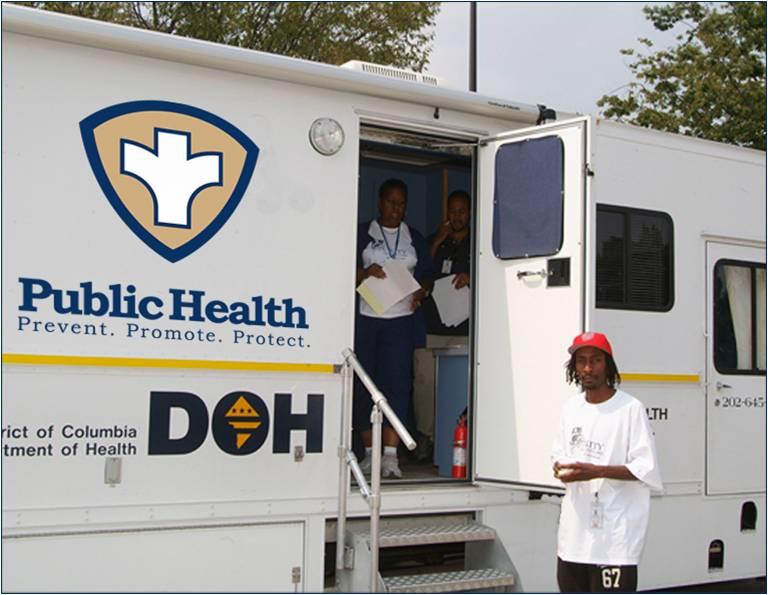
(395,33)
(711,84)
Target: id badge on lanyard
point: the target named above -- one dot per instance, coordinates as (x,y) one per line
(596,513)
(447,266)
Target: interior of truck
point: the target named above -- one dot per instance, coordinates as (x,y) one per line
(432,167)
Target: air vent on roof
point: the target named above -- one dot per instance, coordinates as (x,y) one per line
(393,73)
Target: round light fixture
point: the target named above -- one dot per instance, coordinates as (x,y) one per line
(326,136)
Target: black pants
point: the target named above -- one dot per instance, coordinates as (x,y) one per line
(573,577)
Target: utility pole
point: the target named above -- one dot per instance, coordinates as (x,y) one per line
(473,47)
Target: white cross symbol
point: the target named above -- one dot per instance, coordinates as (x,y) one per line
(172,175)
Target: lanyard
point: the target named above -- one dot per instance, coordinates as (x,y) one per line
(392,253)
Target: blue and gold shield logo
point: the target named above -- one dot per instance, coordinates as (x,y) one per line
(172,172)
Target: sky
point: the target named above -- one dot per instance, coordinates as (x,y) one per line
(565,55)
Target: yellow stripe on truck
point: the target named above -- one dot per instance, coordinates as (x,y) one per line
(684,378)
(145,362)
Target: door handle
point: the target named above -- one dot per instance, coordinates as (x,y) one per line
(541,273)
(721,385)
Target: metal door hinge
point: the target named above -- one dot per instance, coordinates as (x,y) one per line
(349,557)
(589,171)
(296,575)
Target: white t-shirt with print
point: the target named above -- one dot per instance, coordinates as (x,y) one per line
(382,246)
(615,432)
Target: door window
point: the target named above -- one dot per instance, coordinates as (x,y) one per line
(739,317)
(528,198)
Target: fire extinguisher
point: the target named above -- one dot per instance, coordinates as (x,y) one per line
(459,468)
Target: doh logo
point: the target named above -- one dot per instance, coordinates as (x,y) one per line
(240,423)
(172,172)
(244,419)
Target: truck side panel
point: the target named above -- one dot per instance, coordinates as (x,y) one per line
(706,188)
(213,559)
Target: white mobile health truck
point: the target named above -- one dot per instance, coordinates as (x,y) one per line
(178,265)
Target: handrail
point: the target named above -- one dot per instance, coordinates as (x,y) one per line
(358,473)
(380,400)
(346,430)
(348,461)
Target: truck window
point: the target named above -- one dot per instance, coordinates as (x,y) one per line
(528,200)
(739,317)
(634,259)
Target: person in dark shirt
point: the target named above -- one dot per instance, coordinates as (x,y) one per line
(450,247)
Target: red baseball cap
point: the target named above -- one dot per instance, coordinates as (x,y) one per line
(598,340)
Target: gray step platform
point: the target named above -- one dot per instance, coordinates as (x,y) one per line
(428,534)
(447,582)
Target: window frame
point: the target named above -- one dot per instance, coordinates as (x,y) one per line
(628,212)
(752,266)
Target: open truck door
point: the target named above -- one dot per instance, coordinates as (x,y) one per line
(530,298)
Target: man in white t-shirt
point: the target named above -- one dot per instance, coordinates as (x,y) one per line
(605,454)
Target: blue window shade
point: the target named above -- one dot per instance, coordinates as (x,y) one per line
(528,198)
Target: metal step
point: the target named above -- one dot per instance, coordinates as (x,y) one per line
(447,582)
(427,534)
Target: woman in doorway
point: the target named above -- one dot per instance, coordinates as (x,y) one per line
(384,343)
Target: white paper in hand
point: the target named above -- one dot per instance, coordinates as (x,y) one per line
(382,294)
(452,304)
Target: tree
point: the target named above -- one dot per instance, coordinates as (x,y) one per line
(395,33)
(711,84)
